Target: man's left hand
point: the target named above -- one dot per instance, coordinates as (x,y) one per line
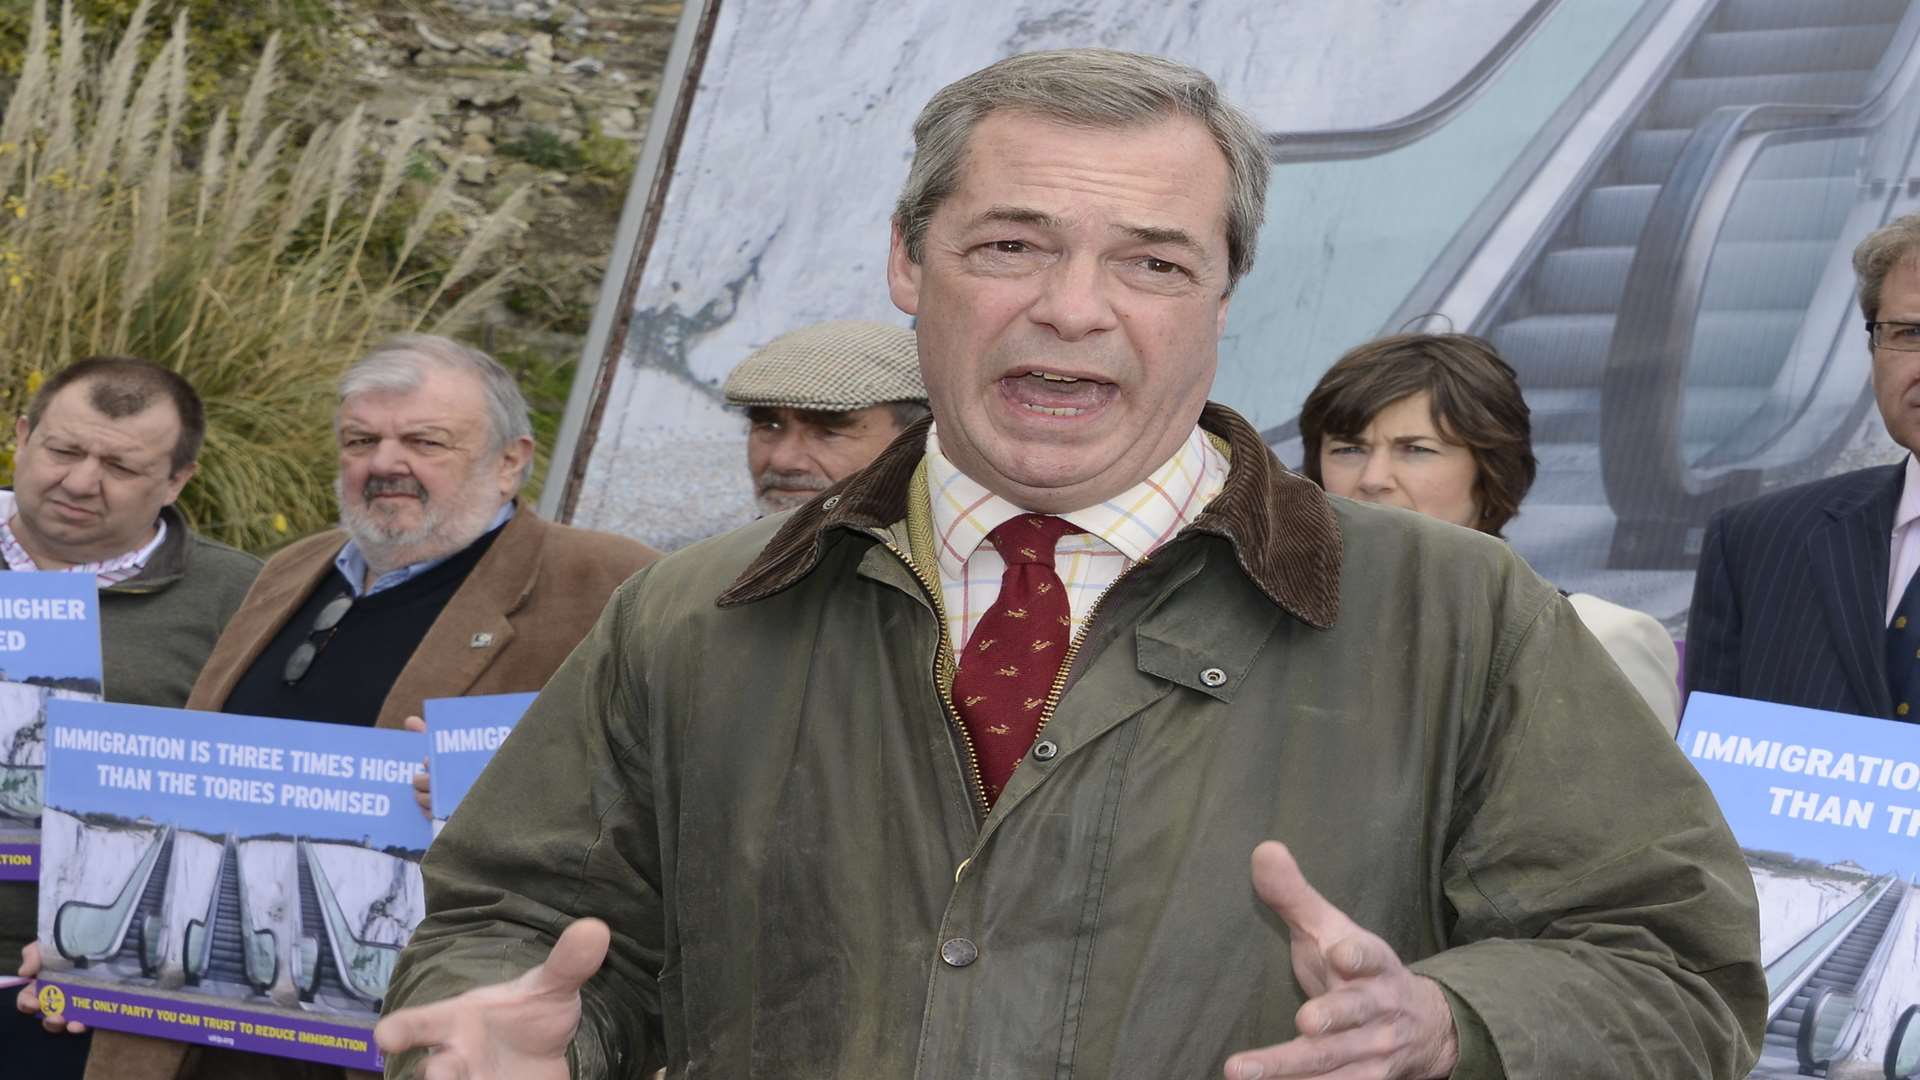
(1366,1015)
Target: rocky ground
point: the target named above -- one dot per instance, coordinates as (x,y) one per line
(548,93)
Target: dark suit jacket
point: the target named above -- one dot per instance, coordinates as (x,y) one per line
(1790,602)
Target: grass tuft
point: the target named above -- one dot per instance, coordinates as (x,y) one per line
(257,265)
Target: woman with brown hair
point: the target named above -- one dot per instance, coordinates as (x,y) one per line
(1436,423)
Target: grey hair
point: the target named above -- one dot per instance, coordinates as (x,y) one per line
(1896,242)
(397,365)
(1090,88)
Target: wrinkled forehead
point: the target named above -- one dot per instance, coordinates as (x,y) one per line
(442,398)
(71,416)
(1166,168)
(1900,295)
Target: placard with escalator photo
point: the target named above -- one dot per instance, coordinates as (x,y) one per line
(1826,808)
(228,880)
(49,649)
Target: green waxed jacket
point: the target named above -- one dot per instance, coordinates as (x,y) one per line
(763,797)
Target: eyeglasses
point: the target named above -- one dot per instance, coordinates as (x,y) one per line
(1901,336)
(323,627)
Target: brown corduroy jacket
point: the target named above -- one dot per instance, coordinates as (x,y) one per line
(530,599)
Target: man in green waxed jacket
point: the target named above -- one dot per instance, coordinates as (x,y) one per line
(956,770)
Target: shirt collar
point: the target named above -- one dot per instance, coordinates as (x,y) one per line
(1135,522)
(1909,508)
(353,565)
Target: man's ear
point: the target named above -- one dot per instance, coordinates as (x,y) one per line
(903,274)
(513,464)
(177,482)
(20,433)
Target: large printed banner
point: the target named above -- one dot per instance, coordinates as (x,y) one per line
(228,880)
(462,735)
(1826,808)
(49,649)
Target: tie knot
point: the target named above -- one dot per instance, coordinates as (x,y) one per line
(1030,538)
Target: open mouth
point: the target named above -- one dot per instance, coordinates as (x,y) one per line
(1056,394)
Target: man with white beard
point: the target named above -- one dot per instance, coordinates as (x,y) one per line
(439,583)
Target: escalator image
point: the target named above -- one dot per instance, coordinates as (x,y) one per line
(313,926)
(1662,253)
(226,963)
(1823,988)
(141,946)
(347,948)
(126,931)
(1653,331)
(223,952)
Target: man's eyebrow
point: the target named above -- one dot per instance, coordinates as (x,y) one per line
(1157,234)
(831,419)
(1018,215)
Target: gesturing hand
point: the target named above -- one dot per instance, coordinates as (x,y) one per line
(1366,1015)
(515,1030)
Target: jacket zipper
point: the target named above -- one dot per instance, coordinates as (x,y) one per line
(941,656)
(1059,687)
(945,650)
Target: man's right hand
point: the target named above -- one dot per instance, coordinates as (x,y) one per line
(515,1030)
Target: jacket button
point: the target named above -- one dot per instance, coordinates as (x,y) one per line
(958,952)
(1214,677)
(1044,750)
(830,502)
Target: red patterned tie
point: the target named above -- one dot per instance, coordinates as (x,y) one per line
(1010,662)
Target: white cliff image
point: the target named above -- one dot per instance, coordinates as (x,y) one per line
(23,742)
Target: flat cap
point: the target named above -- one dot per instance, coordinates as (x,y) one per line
(831,367)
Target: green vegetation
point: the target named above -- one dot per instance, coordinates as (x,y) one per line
(598,157)
(223,37)
(254,258)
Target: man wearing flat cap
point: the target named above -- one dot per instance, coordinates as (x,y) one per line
(824,400)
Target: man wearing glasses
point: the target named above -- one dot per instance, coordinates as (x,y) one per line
(1808,596)
(439,583)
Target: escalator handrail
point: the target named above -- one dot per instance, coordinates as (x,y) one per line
(1642,388)
(202,929)
(1890,1062)
(1348,144)
(338,928)
(1870,975)
(1803,1038)
(251,938)
(1784,996)
(129,896)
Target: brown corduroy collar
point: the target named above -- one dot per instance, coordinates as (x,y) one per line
(1279,523)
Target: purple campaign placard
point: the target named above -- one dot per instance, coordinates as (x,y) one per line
(462,735)
(49,650)
(19,862)
(228,880)
(1826,809)
(199,1021)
